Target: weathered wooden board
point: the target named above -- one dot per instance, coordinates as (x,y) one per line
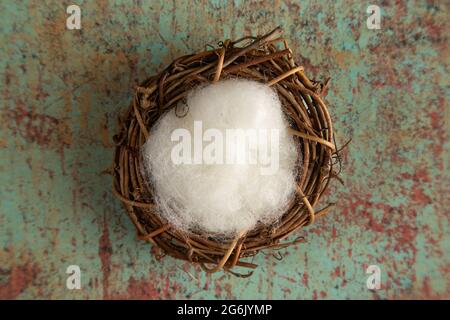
(61,92)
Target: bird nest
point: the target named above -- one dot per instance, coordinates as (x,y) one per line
(266,59)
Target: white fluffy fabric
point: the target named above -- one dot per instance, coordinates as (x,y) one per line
(222,199)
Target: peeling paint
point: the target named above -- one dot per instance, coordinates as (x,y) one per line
(61,93)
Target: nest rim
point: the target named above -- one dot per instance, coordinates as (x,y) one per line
(302,102)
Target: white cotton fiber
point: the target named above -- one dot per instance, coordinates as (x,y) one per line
(229,197)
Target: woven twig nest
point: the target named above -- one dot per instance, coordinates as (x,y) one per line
(255,58)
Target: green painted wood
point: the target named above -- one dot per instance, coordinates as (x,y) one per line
(61,93)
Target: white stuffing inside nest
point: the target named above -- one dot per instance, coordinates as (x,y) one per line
(201,189)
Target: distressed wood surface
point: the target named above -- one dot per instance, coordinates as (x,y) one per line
(61,92)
